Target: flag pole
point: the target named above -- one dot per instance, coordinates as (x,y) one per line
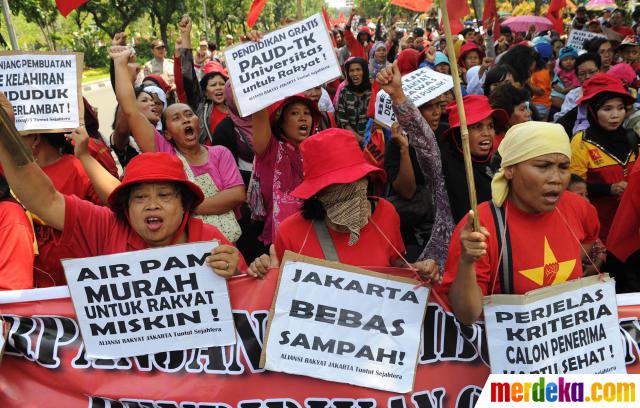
(7,18)
(464,131)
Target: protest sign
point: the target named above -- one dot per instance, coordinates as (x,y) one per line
(560,329)
(44,89)
(45,362)
(150,301)
(285,62)
(420,87)
(578,37)
(340,323)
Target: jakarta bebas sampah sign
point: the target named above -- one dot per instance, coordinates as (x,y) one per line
(285,62)
(44,89)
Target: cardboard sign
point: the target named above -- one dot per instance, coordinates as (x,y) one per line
(420,87)
(287,61)
(578,37)
(44,89)
(340,323)
(560,329)
(150,301)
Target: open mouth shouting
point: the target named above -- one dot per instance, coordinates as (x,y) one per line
(153,223)
(485,145)
(303,129)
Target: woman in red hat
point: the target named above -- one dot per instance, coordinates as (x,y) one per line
(152,207)
(482,121)
(605,152)
(338,222)
(277,134)
(206,97)
(211,167)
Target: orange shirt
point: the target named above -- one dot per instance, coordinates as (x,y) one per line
(542,79)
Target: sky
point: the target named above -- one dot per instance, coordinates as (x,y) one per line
(336,3)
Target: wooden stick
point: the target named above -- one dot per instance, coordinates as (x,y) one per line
(464,131)
(12,141)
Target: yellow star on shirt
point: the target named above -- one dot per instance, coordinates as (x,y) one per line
(552,272)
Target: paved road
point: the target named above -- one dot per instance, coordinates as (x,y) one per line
(103,98)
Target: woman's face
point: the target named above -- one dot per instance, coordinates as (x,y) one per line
(611,114)
(296,122)
(521,114)
(508,79)
(443,68)
(215,89)
(481,136)
(314,93)
(183,126)
(606,54)
(431,112)
(155,212)
(381,54)
(355,73)
(537,184)
(472,59)
(147,106)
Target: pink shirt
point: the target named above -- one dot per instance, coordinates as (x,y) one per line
(221,166)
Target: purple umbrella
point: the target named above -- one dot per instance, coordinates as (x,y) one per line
(522,23)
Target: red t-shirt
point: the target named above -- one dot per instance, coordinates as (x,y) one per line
(371,250)
(544,250)
(623,30)
(217,116)
(16,247)
(68,177)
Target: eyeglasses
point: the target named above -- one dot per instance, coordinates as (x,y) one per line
(163,197)
(159,47)
(587,74)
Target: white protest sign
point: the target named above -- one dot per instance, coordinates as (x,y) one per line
(44,89)
(150,301)
(578,37)
(420,87)
(567,328)
(287,61)
(344,324)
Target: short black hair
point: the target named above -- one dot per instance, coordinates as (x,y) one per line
(594,44)
(587,56)
(467,30)
(418,32)
(121,205)
(496,74)
(212,46)
(575,179)
(507,97)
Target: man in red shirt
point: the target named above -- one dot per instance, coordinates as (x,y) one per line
(617,23)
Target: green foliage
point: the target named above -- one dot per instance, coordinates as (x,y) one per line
(113,16)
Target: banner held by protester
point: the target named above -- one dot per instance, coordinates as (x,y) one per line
(578,37)
(566,328)
(44,89)
(420,87)
(285,62)
(150,301)
(340,323)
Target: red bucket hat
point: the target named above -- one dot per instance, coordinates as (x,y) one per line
(215,67)
(155,168)
(276,109)
(162,84)
(467,48)
(476,109)
(332,156)
(602,82)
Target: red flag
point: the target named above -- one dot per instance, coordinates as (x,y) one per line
(489,11)
(67,6)
(254,12)
(624,234)
(458,9)
(328,23)
(415,5)
(555,14)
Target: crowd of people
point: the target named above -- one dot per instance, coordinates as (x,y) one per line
(552,137)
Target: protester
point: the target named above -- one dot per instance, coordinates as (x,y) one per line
(541,221)
(159,64)
(521,58)
(496,76)
(604,153)
(629,49)
(482,121)
(360,46)
(540,84)
(206,96)
(277,134)
(617,23)
(212,168)
(565,78)
(602,47)
(515,102)
(580,20)
(337,221)
(442,64)
(377,59)
(414,169)
(351,109)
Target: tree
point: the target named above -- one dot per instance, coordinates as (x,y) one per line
(164,13)
(113,16)
(43,13)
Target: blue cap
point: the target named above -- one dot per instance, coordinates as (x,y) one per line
(544,49)
(567,52)
(441,58)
